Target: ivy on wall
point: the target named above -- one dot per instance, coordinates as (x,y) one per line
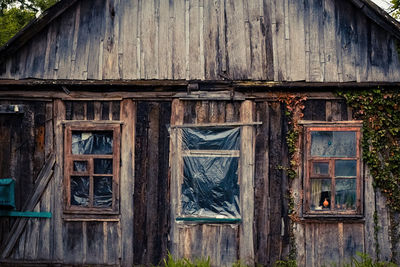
(379,109)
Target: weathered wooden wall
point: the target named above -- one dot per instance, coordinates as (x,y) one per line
(151,196)
(26,141)
(280,40)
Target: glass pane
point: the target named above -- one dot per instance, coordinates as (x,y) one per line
(211,138)
(210,187)
(92,143)
(80,166)
(79,190)
(320,194)
(102,192)
(345,196)
(321,168)
(333,144)
(346,168)
(103,166)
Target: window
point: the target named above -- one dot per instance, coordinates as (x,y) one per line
(92,168)
(333,182)
(208,159)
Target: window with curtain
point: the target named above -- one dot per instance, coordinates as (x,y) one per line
(333,170)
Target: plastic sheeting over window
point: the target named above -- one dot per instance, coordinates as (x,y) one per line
(211,138)
(92,143)
(102,192)
(80,190)
(210,180)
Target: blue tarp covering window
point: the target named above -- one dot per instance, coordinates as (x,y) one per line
(210,183)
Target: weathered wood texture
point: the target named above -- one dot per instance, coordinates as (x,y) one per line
(220,242)
(307,40)
(321,242)
(151,197)
(24,146)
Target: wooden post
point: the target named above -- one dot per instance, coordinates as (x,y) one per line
(177,112)
(127,182)
(247,184)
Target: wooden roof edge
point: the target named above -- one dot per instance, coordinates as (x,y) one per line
(370,9)
(379,16)
(33,27)
(200,84)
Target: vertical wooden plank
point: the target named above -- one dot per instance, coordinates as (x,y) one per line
(105,110)
(95,242)
(152,211)
(164,63)
(57,249)
(211,40)
(266,26)
(177,111)
(246,241)
(195,70)
(90,110)
(66,38)
(97,110)
(128,36)
(369,210)
(330,36)
(110,45)
(235,39)
(202,115)
(78,110)
(73,242)
(128,112)
(112,245)
(141,174)
(275,182)
(261,184)
(317,61)
(353,240)
(96,24)
(297,40)
(281,63)
(348,34)
(178,41)
(148,35)
(383,224)
(213,111)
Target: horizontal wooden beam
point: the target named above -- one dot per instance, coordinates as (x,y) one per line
(31,214)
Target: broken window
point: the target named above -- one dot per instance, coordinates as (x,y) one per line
(209,163)
(333,180)
(91,168)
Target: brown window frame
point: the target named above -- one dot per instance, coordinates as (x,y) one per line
(69,172)
(309,175)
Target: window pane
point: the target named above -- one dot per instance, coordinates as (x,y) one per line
(102,192)
(346,168)
(103,166)
(80,166)
(333,144)
(345,196)
(320,194)
(211,138)
(321,168)
(210,187)
(92,143)
(79,190)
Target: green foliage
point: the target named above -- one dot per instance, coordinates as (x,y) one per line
(379,110)
(12,21)
(15,14)
(171,262)
(364,260)
(288,263)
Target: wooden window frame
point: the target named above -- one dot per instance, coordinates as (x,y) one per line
(309,175)
(69,158)
(180,153)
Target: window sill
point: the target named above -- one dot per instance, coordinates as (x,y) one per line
(208,220)
(333,217)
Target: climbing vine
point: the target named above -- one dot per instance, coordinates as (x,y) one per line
(379,109)
(294,106)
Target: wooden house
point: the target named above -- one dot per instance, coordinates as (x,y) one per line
(148,126)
